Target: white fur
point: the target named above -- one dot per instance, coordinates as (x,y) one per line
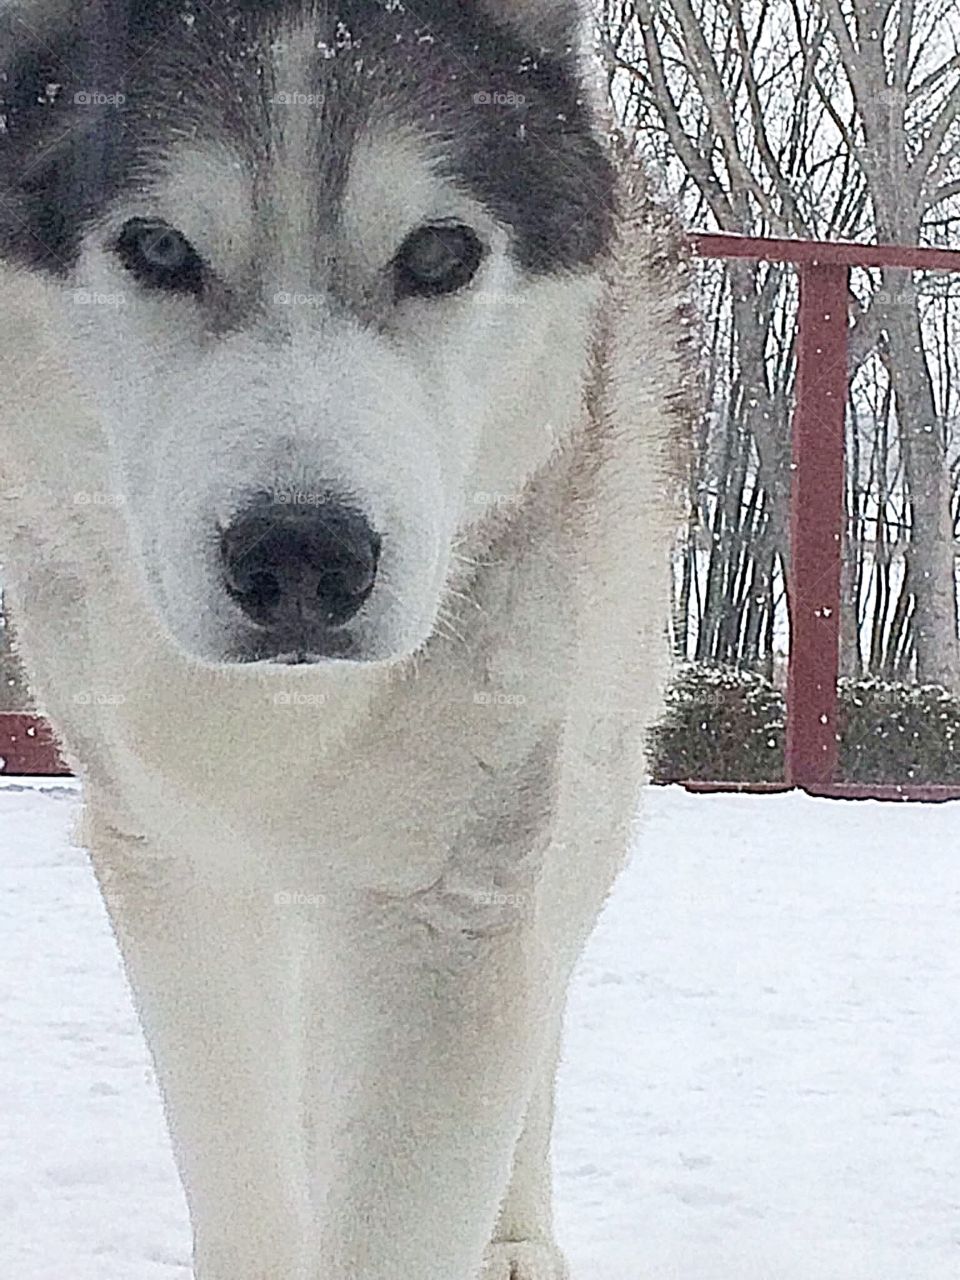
(408,421)
(349,896)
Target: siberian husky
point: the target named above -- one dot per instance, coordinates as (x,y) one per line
(342,376)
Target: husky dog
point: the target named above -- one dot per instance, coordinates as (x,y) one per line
(342,376)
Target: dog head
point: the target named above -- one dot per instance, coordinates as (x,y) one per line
(328,274)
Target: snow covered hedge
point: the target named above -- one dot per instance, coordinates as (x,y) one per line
(898,732)
(726,725)
(720,725)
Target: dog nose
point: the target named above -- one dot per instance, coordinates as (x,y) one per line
(295,568)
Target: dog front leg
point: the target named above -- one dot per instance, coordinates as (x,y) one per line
(446,1033)
(210,983)
(523,1246)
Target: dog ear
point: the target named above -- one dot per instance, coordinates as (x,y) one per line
(551,24)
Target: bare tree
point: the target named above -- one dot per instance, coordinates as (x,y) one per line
(901,63)
(832,120)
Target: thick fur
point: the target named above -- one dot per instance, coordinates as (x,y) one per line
(349,894)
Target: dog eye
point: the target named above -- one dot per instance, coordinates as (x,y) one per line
(435,260)
(160,257)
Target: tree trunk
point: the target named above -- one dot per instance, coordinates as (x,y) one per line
(931,550)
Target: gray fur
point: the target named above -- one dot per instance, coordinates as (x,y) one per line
(506,119)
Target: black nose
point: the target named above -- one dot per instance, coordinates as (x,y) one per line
(296,568)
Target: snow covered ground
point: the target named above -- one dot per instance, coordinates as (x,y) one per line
(763,1062)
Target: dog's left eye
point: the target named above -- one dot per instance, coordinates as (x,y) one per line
(160,256)
(437,259)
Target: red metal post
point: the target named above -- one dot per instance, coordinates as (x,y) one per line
(817,513)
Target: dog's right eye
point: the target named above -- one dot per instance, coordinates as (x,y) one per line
(160,256)
(437,259)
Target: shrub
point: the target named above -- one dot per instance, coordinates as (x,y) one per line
(723,725)
(898,732)
(720,725)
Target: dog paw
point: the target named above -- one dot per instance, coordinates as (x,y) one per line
(524,1260)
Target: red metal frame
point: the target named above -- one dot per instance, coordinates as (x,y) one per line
(27,746)
(836,253)
(817,498)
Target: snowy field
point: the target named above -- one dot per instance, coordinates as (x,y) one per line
(763,1062)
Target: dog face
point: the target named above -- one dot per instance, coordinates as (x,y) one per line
(328,277)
